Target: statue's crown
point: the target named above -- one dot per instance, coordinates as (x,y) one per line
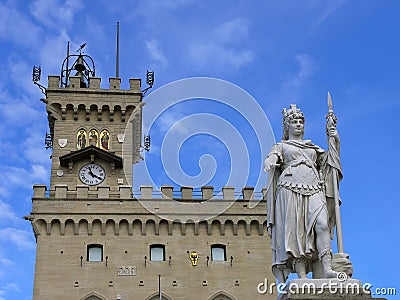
(292,112)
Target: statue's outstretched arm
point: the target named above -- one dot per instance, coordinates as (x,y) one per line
(270,161)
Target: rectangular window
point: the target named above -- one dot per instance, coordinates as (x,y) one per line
(218,252)
(157,252)
(95,253)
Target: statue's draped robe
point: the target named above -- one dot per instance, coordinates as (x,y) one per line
(295,199)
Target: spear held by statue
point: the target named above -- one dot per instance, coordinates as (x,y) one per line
(335,169)
(333,175)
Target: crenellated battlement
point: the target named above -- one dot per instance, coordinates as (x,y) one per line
(91,103)
(94,84)
(124,192)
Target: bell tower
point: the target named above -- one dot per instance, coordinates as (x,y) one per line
(95,136)
(95,132)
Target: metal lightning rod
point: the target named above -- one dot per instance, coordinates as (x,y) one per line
(117,54)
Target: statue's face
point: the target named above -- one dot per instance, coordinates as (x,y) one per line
(296,127)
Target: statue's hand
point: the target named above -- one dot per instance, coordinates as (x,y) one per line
(332,132)
(270,162)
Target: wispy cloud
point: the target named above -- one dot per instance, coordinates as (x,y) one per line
(21,177)
(22,239)
(17,28)
(56,13)
(7,213)
(306,67)
(155,52)
(53,52)
(211,55)
(331,9)
(169,119)
(224,46)
(25,117)
(11,287)
(169,4)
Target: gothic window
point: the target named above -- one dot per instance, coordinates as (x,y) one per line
(93,137)
(81,139)
(218,252)
(105,140)
(157,252)
(95,252)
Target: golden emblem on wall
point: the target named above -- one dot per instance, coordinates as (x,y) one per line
(194,258)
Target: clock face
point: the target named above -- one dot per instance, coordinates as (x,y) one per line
(92,174)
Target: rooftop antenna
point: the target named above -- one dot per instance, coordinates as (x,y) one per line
(117,54)
(67,66)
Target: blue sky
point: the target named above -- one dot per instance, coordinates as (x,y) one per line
(279,52)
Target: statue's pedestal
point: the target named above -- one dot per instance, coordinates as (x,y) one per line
(332,289)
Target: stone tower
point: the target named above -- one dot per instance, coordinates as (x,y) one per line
(96,239)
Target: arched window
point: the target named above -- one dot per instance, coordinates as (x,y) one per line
(95,252)
(157,252)
(218,252)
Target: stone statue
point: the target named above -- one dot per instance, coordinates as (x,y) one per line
(302,186)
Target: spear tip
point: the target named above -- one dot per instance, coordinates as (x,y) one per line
(330,102)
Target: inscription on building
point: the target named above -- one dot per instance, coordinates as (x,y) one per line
(126,271)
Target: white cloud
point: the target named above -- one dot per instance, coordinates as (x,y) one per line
(6,262)
(26,115)
(54,13)
(211,55)
(174,4)
(306,67)
(156,7)
(169,119)
(225,46)
(22,239)
(11,287)
(7,214)
(155,52)
(21,74)
(25,178)
(39,172)
(231,32)
(53,52)
(331,9)
(34,150)
(16,27)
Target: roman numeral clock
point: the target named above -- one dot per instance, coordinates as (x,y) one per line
(92,174)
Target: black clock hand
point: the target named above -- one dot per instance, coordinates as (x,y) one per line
(91,173)
(98,177)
